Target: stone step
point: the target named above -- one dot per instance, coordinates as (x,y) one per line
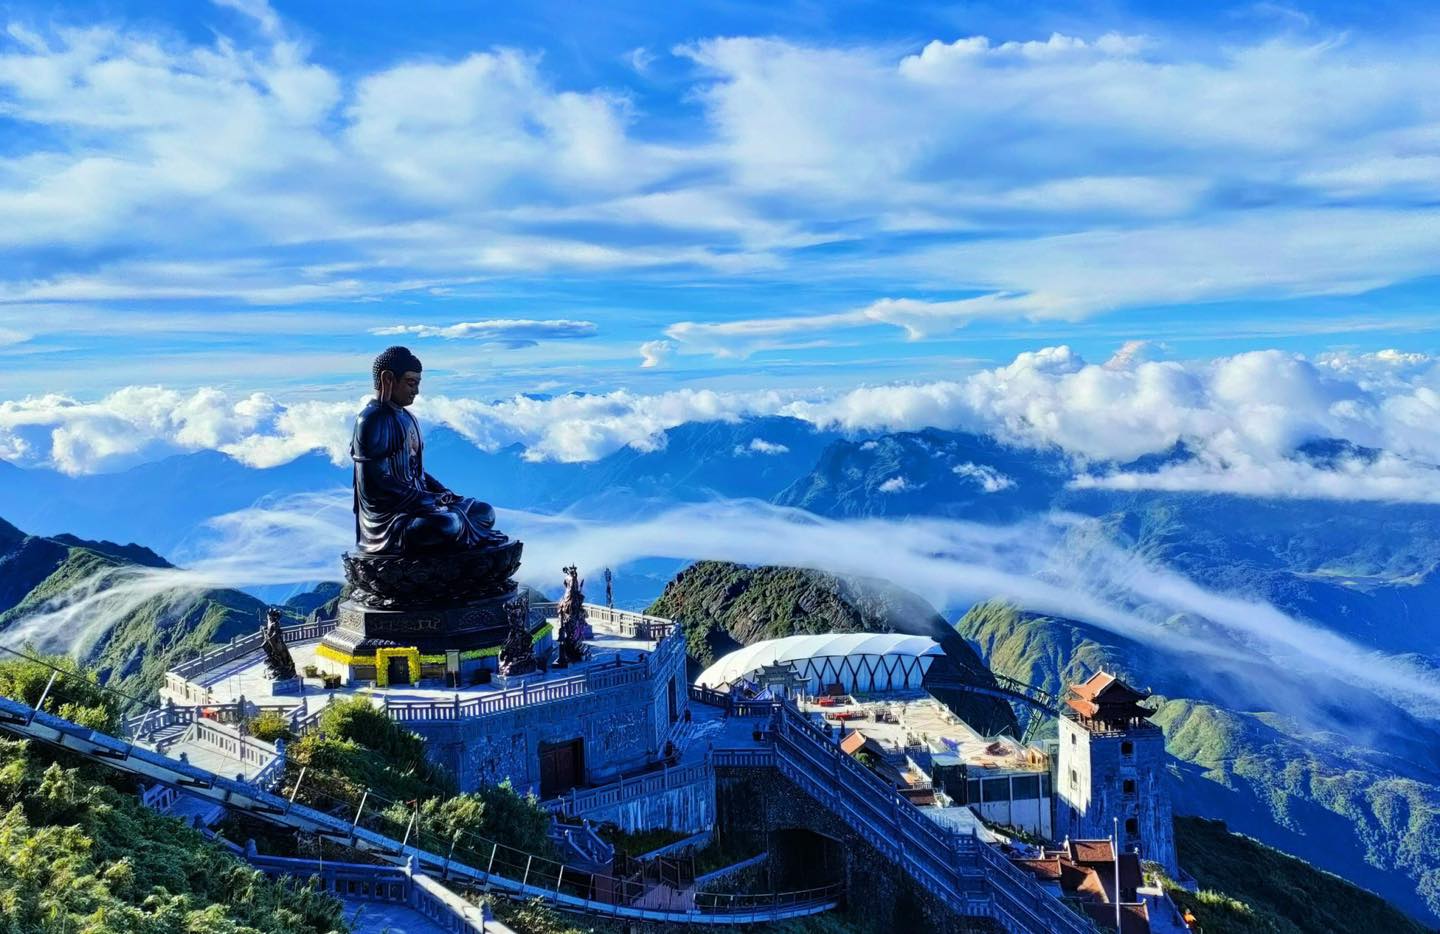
(195,811)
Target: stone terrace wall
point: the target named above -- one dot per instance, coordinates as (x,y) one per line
(623,728)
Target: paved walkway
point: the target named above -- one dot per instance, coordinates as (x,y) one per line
(387,918)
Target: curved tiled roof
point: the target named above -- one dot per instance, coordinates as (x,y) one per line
(751,658)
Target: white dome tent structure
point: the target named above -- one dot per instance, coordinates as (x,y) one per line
(861,662)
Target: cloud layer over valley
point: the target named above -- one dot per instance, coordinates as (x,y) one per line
(1050,565)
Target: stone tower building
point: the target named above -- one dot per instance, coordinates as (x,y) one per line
(1111,771)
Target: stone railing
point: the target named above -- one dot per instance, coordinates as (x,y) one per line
(582,841)
(580,801)
(143,726)
(629,624)
(737,707)
(254,753)
(178,680)
(527,695)
(241,646)
(744,758)
(667,647)
(449,911)
(158,797)
(399,885)
(594,678)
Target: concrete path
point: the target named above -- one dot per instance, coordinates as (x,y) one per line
(387,918)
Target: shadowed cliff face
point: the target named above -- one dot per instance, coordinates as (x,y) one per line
(723,606)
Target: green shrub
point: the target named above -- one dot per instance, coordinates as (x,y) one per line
(76,855)
(75,695)
(270,725)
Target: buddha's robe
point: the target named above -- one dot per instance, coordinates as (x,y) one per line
(399,508)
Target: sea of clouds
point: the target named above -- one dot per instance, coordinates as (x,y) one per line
(1240,416)
(1047,565)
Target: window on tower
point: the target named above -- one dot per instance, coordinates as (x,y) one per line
(1132,826)
(1129,786)
(1127,748)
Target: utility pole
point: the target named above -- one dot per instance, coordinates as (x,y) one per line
(1115,849)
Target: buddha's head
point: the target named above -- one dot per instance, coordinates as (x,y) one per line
(397,376)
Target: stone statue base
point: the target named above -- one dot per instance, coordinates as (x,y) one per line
(425,617)
(408,582)
(451,645)
(281,687)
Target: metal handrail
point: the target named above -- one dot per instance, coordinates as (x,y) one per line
(628,789)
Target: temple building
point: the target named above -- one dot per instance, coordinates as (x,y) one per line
(1111,771)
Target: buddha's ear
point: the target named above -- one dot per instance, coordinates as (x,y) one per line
(387,385)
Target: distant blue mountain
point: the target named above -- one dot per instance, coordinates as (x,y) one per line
(932,473)
(159,503)
(1367,570)
(163,502)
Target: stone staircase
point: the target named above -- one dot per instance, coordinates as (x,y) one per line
(197,812)
(166,737)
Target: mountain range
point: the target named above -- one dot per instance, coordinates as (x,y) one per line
(1353,788)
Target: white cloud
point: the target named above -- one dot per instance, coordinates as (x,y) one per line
(655,353)
(258,10)
(1038,564)
(989,479)
(1087,173)
(896,485)
(760,446)
(640,59)
(511,332)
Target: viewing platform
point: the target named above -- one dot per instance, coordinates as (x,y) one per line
(621,646)
(620,710)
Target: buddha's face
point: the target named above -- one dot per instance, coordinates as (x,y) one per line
(407,387)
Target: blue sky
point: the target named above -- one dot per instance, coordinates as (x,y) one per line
(807,198)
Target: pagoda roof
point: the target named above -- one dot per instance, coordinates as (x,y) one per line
(1105,688)
(1107,711)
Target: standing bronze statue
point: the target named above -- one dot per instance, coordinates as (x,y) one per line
(517,655)
(278,663)
(574,622)
(399,508)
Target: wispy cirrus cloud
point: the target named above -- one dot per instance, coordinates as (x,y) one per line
(507,332)
(1063,176)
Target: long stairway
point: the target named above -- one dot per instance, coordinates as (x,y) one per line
(971,876)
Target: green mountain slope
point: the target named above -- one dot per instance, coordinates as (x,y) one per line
(1364,806)
(722,606)
(1246,886)
(129,643)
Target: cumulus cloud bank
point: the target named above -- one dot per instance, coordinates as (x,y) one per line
(1242,422)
